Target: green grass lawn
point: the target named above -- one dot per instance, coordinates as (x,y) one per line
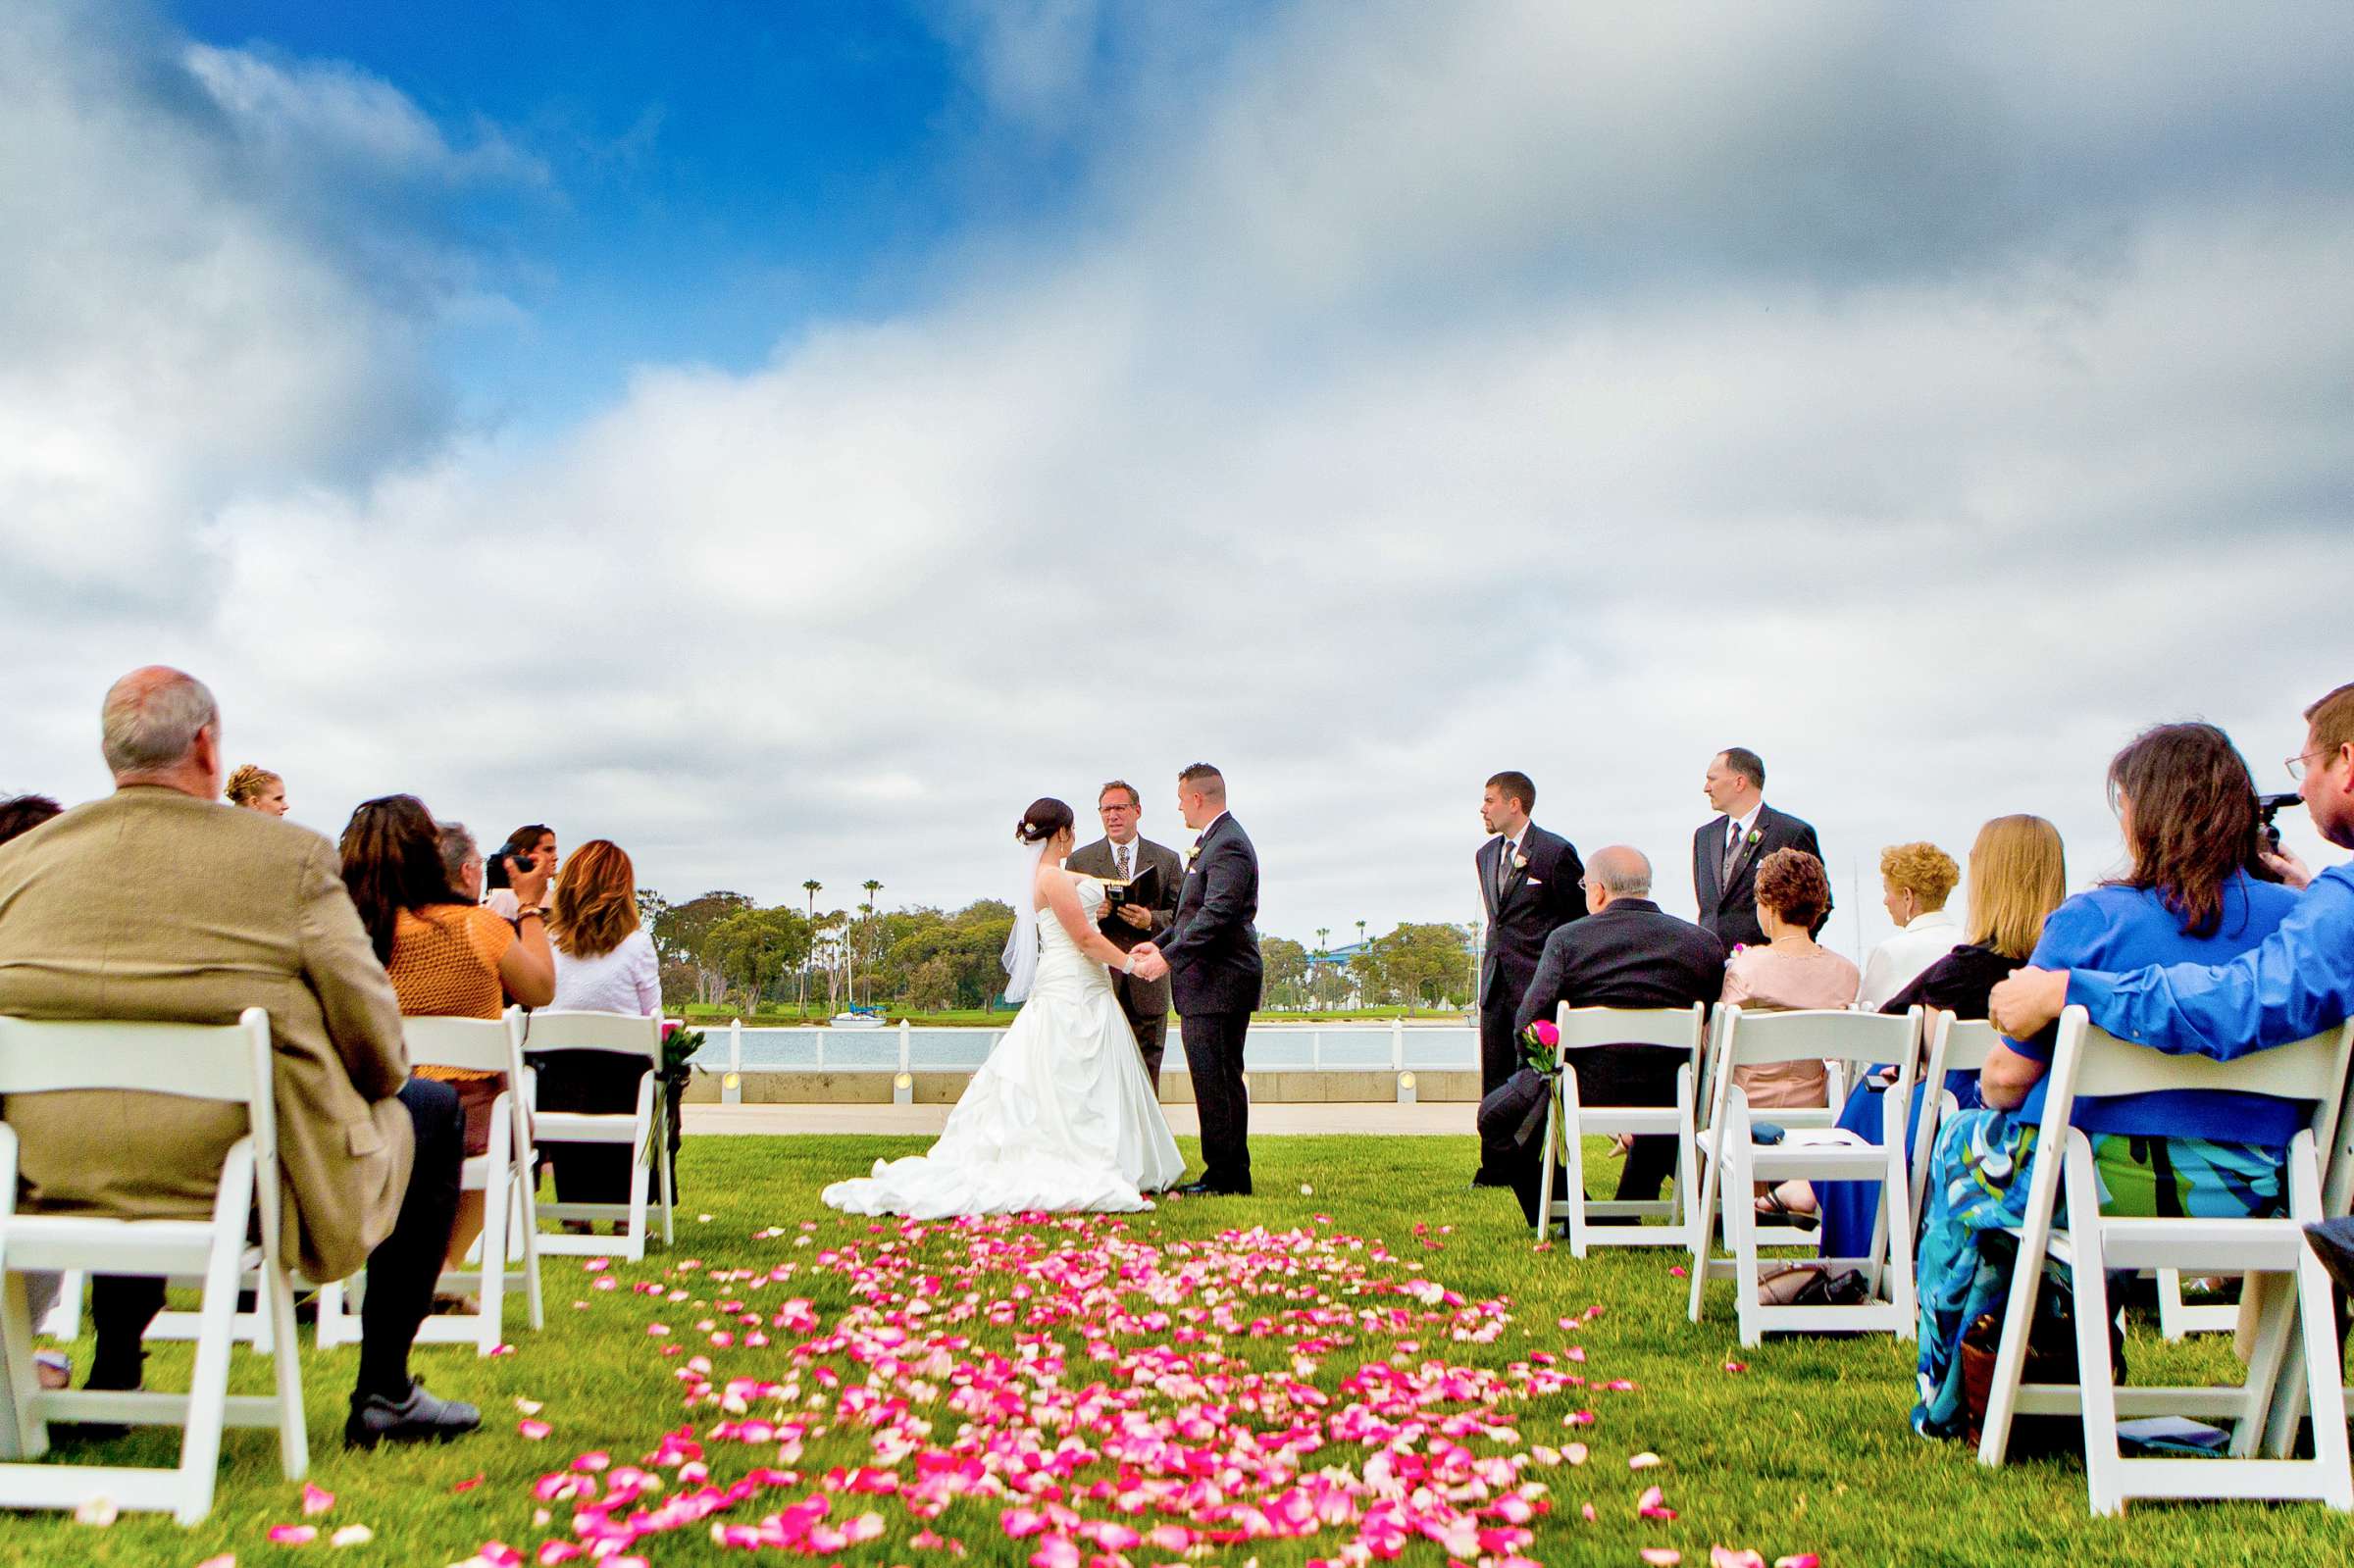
(1804,1451)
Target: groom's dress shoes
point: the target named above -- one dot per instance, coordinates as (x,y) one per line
(1205,1190)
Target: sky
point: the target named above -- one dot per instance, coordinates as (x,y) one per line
(784,440)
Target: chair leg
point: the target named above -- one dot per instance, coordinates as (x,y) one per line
(2273,1298)
(526,1220)
(2011,1359)
(2324,1388)
(26,1434)
(1703,1220)
(208,1385)
(496,1169)
(639,1173)
(2104,1477)
(1687,1162)
(1741,1229)
(293,1435)
(1545,1186)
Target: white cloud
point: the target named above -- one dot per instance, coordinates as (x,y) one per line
(1441,390)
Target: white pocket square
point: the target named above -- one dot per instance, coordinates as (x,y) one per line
(1536,882)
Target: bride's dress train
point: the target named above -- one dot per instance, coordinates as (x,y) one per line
(1060,1118)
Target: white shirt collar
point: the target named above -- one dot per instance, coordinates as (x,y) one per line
(1745,824)
(1928,918)
(1206,826)
(1513,840)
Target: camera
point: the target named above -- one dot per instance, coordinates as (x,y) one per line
(2268,807)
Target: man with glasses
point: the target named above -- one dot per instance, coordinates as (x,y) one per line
(2298,983)
(1122,855)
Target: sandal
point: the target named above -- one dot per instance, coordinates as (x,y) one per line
(1771,1206)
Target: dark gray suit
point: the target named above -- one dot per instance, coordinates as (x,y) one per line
(1145,1001)
(1524,904)
(1728,905)
(1215,973)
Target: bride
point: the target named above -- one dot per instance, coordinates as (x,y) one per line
(1061,1116)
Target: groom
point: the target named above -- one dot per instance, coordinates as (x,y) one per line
(1212,953)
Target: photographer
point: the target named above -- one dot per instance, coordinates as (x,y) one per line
(2300,982)
(529,849)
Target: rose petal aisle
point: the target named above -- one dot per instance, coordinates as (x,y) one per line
(1103,1397)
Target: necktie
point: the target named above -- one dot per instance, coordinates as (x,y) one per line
(1732,849)
(1504,868)
(1120,854)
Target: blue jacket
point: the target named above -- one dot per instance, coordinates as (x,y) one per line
(2296,983)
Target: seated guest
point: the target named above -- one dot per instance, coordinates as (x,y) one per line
(462,860)
(604,964)
(532,842)
(258,789)
(1791,972)
(447,957)
(19,816)
(1626,953)
(156,904)
(2018,875)
(1915,882)
(2188,813)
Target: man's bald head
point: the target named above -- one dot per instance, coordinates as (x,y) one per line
(161,725)
(1618,872)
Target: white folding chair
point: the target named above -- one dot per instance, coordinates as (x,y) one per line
(1956,1046)
(2337,1200)
(1591,1028)
(231,1063)
(502,1174)
(1734,1165)
(2287,1280)
(623,1034)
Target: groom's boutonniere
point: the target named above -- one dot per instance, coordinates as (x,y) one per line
(1757,837)
(1192,853)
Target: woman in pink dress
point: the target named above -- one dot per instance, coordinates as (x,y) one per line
(1790,973)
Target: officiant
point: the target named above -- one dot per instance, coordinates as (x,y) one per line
(1122,858)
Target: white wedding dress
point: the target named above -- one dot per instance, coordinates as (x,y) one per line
(1060,1118)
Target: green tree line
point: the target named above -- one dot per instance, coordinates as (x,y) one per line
(722,948)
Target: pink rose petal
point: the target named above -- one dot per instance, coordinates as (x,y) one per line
(316,1500)
(533,1430)
(292,1535)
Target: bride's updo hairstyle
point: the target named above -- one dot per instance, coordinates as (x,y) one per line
(1045,818)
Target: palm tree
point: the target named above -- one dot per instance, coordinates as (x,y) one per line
(812,888)
(1360,933)
(1322,932)
(872,888)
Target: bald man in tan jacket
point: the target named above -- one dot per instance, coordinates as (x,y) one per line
(161,903)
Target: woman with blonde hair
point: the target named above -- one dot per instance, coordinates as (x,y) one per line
(1916,879)
(605,963)
(2018,875)
(257,790)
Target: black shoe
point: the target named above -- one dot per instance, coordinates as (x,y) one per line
(418,1418)
(2332,1241)
(1205,1190)
(1490,1179)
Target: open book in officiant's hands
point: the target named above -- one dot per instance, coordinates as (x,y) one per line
(1142,891)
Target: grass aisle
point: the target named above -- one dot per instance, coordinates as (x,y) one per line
(1806,1450)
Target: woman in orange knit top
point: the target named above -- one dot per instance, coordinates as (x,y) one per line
(447,957)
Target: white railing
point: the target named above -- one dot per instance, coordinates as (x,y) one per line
(1384,1048)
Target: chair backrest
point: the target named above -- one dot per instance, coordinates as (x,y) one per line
(1833,1035)
(1677,1028)
(1960,1044)
(2089,1062)
(627,1033)
(474,1045)
(227,1062)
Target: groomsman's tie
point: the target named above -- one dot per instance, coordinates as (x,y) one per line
(1732,850)
(1504,868)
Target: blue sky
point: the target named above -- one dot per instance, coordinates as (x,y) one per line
(786,439)
(717,174)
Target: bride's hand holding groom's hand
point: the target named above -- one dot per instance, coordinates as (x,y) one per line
(1145,962)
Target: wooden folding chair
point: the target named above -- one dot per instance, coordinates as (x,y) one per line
(623,1034)
(1590,1027)
(502,1174)
(229,1063)
(2287,1280)
(1735,1165)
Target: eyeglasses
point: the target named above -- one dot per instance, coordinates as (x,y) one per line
(2296,764)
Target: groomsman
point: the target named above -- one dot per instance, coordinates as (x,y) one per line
(1123,855)
(1530,884)
(1725,852)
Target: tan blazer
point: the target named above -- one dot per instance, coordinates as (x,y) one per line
(152,904)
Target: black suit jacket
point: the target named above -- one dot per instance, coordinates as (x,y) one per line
(1629,954)
(1095,860)
(1537,901)
(1728,906)
(1212,946)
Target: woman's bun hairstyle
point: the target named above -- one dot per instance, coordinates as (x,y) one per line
(1045,818)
